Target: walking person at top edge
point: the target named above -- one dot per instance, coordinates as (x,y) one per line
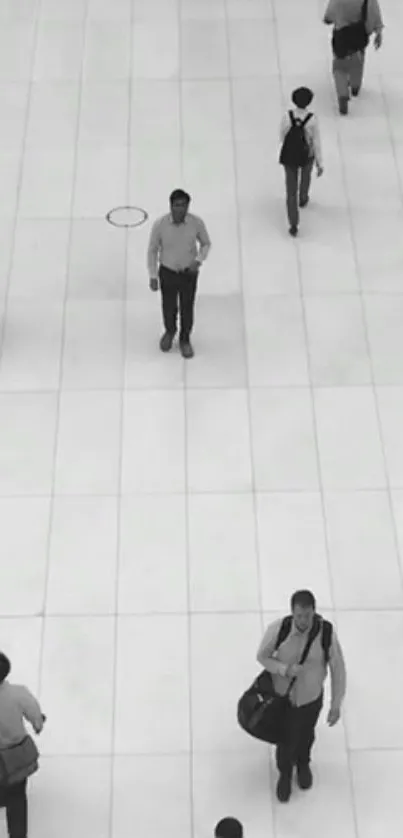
(281,659)
(301,148)
(179,244)
(348,69)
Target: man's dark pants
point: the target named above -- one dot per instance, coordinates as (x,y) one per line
(300,736)
(178,291)
(297,183)
(14,800)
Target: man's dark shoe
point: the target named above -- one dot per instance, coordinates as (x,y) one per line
(186,349)
(304,777)
(284,788)
(293,231)
(304,202)
(166,342)
(355,91)
(343,105)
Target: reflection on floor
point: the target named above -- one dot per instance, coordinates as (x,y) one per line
(153,515)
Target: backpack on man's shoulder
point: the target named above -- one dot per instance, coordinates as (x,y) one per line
(295,151)
(323,627)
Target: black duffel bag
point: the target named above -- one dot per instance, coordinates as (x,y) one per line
(261,712)
(352,38)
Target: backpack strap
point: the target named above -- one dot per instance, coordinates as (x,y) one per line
(307,118)
(327,636)
(284,631)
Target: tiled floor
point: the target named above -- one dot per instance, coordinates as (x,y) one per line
(154,516)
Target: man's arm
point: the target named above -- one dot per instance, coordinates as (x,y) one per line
(153,252)
(31,709)
(267,648)
(337,673)
(204,240)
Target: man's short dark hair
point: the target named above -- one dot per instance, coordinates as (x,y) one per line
(305,599)
(179,195)
(5,667)
(229,828)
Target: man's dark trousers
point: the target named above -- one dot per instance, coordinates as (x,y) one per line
(14,800)
(300,736)
(297,183)
(178,287)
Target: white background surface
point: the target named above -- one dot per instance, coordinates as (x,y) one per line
(154,515)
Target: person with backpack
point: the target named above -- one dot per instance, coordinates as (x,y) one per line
(354,21)
(281,653)
(301,148)
(18,752)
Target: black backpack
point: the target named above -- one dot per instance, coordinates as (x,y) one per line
(353,38)
(324,626)
(295,151)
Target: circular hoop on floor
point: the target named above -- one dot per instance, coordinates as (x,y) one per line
(126,217)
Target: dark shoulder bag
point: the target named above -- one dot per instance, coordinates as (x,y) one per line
(353,38)
(261,712)
(18,762)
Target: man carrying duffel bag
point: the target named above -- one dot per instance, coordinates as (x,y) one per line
(18,752)
(284,703)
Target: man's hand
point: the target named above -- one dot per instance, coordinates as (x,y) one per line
(333,716)
(378,39)
(294,670)
(154,284)
(319,171)
(194,267)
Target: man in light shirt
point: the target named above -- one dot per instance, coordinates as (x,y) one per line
(306,696)
(348,72)
(298,179)
(17,704)
(179,244)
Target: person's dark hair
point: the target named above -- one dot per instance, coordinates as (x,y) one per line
(179,195)
(302,97)
(228,828)
(305,599)
(5,667)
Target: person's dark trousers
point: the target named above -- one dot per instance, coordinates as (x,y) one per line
(300,736)
(297,184)
(14,800)
(178,290)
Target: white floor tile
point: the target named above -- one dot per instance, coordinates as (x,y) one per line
(218,440)
(24,524)
(155,53)
(17,40)
(86,702)
(198,39)
(155,111)
(384,317)
(83,544)
(213,639)
(390,401)
(360,530)
(71,796)
(165,778)
(6,248)
(153,555)
(97,261)
(349,439)
(13,108)
(206,112)
(275,339)
(227,521)
(53,114)
(292,548)
(39,265)
(379,631)
(220,359)
(10,166)
(93,359)
(252,48)
(58,10)
(337,341)
(21,641)
(27,440)
(59,51)
(153,442)
(103,10)
(104,115)
(146,366)
(31,347)
(283,440)
(100,181)
(148,640)
(107,51)
(47,184)
(88,445)
(378,800)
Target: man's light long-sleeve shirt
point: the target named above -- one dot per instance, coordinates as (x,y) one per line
(176,246)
